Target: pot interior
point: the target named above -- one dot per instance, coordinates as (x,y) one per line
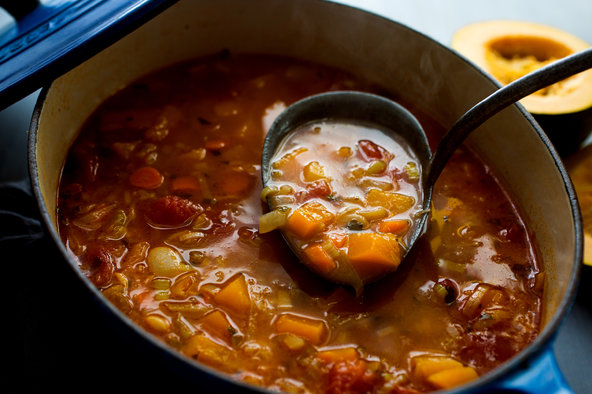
(414,67)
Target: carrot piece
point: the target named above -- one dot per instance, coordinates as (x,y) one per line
(373,254)
(397,227)
(310,329)
(424,366)
(450,378)
(218,325)
(336,355)
(319,258)
(215,145)
(308,220)
(235,183)
(146,178)
(235,296)
(185,184)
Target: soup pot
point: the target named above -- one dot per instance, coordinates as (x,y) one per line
(412,66)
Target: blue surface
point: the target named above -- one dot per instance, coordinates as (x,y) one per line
(542,375)
(62,33)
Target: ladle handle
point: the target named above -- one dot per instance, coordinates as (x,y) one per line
(499,100)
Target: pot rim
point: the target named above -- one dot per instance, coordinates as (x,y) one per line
(514,364)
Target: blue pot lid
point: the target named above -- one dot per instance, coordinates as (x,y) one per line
(40,40)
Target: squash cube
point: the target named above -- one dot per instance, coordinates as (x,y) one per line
(395,202)
(319,258)
(309,219)
(235,296)
(373,254)
(312,330)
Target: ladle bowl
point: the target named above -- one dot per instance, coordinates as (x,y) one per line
(365,108)
(357,108)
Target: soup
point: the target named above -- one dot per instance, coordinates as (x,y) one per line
(160,201)
(346,196)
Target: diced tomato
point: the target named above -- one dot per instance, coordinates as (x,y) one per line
(370,150)
(320,188)
(172,211)
(351,377)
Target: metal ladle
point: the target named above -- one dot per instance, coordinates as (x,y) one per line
(367,108)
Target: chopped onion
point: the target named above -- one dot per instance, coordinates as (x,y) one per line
(165,261)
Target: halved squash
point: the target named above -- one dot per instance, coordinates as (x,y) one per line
(510,49)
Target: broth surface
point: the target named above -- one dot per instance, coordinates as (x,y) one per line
(159,202)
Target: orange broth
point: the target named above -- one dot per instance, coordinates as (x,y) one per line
(159,203)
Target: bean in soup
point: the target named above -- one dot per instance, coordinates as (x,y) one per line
(159,203)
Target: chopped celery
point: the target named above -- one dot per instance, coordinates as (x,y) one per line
(412,171)
(273,220)
(376,167)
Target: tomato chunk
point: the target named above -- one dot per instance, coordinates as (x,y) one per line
(351,377)
(370,150)
(172,211)
(320,188)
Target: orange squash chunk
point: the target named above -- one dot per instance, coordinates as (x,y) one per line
(397,227)
(395,202)
(319,258)
(450,378)
(424,366)
(217,324)
(309,219)
(310,329)
(336,355)
(373,254)
(313,171)
(235,296)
